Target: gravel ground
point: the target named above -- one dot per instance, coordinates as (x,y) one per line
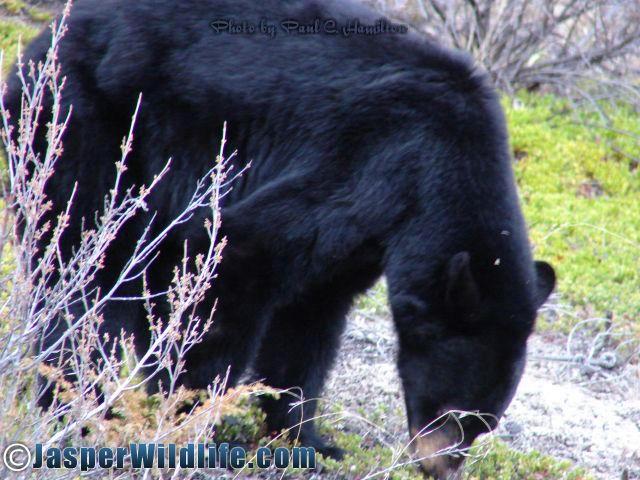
(588,416)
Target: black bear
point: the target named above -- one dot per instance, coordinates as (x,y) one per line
(374,152)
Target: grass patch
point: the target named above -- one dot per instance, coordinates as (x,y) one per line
(489,458)
(374,302)
(11,31)
(14,7)
(18,7)
(494,460)
(579,187)
(39,16)
(503,463)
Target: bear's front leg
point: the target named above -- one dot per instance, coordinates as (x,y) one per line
(296,353)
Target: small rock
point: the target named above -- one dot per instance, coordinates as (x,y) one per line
(513,427)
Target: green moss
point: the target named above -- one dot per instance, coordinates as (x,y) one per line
(364,456)
(493,460)
(374,301)
(18,7)
(39,16)
(11,32)
(489,458)
(499,462)
(579,187)
(558,149)
(594,244)
(246,424)
(13,7)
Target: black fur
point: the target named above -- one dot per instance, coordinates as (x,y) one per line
(371,155)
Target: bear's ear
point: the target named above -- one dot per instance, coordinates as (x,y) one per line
(545,282)
(462,293)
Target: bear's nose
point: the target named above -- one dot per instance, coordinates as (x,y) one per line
(434,449)
(435,470)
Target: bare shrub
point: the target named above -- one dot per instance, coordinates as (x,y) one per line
(567,44)
(39,286)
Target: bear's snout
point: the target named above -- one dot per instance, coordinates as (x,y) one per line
(434,452)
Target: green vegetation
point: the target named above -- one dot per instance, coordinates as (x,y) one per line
(364,457)
(13,7)
(490,459)
(10,34)
(18,7)
(374,302)
(502,463)
(579,186)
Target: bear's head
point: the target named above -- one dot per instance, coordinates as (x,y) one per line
(462,356)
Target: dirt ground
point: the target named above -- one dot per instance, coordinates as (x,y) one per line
(587,414)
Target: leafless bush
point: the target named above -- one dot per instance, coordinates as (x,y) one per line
(568,44)
(39,286)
